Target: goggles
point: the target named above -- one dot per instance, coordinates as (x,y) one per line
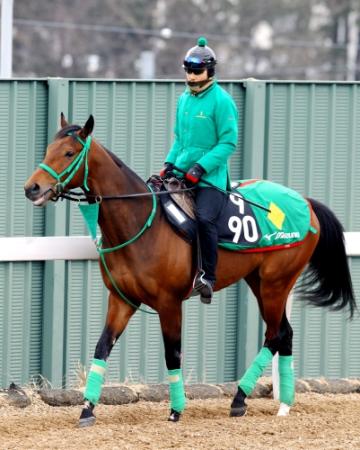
(195,71)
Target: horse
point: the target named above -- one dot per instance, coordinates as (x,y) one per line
(144,261)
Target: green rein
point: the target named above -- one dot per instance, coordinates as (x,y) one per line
(90,212)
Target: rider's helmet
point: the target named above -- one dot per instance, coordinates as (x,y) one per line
(200,57)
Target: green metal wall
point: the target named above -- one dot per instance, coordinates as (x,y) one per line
(311,144)
(23,124)
(51,314)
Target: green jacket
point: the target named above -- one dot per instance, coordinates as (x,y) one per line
(206,132)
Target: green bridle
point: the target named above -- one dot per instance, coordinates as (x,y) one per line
(91,211)
(72,168)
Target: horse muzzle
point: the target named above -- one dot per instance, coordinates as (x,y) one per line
(39,196)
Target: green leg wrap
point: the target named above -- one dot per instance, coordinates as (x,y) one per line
(177,391)
(95,381)
(248,381)
(287,380)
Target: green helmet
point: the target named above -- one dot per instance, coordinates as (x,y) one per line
(200,57)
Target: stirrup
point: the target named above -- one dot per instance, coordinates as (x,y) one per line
(204,288)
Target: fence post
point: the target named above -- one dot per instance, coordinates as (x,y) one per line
(249,323)
(54,271)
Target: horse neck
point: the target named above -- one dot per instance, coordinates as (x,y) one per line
(121,219)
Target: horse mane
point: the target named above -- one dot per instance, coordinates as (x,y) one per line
(115,158)
(72,128)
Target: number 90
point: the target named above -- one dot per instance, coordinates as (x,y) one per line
(246,224)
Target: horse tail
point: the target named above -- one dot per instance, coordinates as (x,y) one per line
(327,280)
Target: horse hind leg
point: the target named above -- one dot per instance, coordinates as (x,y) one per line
(272,300)
(118,316)
(285,368)
(238,406)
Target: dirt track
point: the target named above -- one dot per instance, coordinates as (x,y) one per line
(316,422)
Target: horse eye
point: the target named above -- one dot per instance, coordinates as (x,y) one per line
(69,153)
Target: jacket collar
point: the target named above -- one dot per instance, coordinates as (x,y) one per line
(201,93)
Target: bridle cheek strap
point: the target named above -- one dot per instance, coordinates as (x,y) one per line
(72,168)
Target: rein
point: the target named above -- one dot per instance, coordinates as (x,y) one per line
(98,198)
(90,212)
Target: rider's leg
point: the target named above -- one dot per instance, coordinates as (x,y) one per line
(209,204)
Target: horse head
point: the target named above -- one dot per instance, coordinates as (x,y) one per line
(65,164)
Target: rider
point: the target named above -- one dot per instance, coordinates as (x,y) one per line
(205,136)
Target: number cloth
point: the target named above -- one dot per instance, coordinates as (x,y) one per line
(243,226)
(206,133)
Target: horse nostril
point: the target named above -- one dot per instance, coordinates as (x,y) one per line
(32,190)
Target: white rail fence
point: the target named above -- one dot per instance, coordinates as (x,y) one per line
(82,248)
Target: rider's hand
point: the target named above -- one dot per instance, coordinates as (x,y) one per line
(168,167)
(194,174)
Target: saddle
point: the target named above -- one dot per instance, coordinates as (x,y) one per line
(179,207)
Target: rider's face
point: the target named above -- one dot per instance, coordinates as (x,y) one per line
(192,77)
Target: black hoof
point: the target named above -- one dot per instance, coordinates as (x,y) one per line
(174,416)
(87,418)
(238,412)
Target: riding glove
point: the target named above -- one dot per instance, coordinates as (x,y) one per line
(194,174)
(168,167)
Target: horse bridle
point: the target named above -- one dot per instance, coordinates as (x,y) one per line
(74,196)
(71,171)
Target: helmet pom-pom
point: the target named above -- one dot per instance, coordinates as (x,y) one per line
(202,42)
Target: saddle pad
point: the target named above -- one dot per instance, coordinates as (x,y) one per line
(244,226)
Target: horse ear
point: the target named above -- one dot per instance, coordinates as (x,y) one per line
(88,127)
(63,121)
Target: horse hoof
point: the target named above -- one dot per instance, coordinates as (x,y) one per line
(283,410)
(87,422)
(87,418)
(238,412)
(174,416)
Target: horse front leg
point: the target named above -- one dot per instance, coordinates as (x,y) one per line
(118,316)
(171,330)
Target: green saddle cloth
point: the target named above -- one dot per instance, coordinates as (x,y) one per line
(287,222)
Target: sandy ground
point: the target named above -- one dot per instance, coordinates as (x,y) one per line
(315,422)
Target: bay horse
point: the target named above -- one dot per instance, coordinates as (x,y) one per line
(148,263)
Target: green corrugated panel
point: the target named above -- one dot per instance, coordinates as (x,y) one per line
(236,164)
(23,127)
(311,139)
(277,139)
(350,350)
(353,168)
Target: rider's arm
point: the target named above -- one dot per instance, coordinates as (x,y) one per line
(226,121)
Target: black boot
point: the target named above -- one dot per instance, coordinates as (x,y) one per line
(204,287)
